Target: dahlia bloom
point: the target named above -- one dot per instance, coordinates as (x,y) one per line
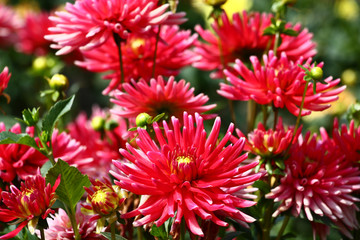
(186,174)
(280,82)
(318,182)
(104,201)
(172,54)
(60,227)
(104,145)
(243,37)
(171,98)
(4,80)
(9,24)
(28,204)
(87,24)
(18,160)
(269,143)
(32,32)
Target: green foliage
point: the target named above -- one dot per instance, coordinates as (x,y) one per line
(72,183)
(108,236)
(7,137)
(30,117)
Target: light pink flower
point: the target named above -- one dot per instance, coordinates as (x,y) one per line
(28,204)
(138,52)
(87,24)
(60,227)
(318,182)
(186,174)
(158,96)
(243,37)
(32,32)
(279,81)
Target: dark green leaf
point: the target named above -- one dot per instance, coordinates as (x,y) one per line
(268,167)
(262,186)
(269,31)
(7,137)
(289,235)
(108,236)
(157,117)
(290,32)
(55,112)
(159,232)
(280,163)
(71,187)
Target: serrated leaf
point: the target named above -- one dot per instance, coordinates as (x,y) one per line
(108,236)
(72,183)
(45,168)
(55,112)
(7,137)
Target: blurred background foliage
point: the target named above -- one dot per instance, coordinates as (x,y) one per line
(334,23)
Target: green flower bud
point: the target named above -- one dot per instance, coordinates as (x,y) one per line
(39,64)
(141,119)
(316,73)
(59,82)
(215,3)
(98,123)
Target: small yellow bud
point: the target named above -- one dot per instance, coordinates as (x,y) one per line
(98,123)
(141,119)
(215,3)
(59,82)
(316,73)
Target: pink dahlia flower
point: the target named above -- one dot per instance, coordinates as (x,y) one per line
(28,204)
(87,24)
(32,32)
(9,24)
(105,143)
(172,54)
(279,81)
(4,80)
(318,182)
(60,227)
(243,37)
(186,175)
(171,98)
(16,160)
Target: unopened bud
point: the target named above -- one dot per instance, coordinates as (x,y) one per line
(98,123)
(141,119)
(59,82)
(215,3)
(316,73)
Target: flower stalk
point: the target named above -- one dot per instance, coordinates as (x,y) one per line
(118,40)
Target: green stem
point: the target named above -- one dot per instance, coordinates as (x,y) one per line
(300,110)
(267,222)
(118,41)
(251,109)
(112,229)
(155,53)
(265,114)
(139,233)
(276,114)
(182,230)
(283,227)
(42,233)
(276,43)
(72,217)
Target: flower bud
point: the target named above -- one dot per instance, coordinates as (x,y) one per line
(215,3)
(141,119)
(59,82)
(316,73)
(98,123)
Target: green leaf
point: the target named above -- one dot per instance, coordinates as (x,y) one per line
(290,32)
(72,183)
(56,112)
(45,168)
(157,117)
(262,186)
(7,137)
(159,232)
(269,31)
(280,163)
(108,236)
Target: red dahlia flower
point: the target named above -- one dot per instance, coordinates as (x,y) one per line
(28,204)
(87,24)
(18,160)
(243,37)
(317,181)
(186,175)
(172,54)
(279,81)
(171,98)
(4,80)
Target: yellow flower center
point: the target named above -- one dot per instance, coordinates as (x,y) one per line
(183,159)
(99,197)
(136,46)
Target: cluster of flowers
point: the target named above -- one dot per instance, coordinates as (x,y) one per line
(180,170)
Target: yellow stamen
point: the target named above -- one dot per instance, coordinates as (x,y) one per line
(183,159)
(99,197)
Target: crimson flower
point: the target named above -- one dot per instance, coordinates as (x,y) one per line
(18,160)
(28,204)
(318,181)
(4,80)
(87,24)
(279,81)
(186,174)
(172,54)
(243,37)
(171,98)
(32,32)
